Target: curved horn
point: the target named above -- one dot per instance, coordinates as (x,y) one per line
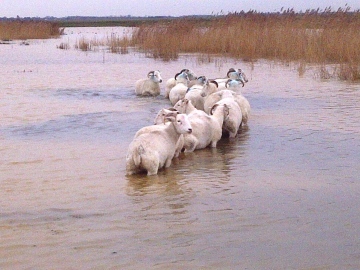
(215,82)
(213,108)
(227,83)
(177,74)
(172,109)
(230,70)
(201,78)
(244,76)
(242,81)
(151,73)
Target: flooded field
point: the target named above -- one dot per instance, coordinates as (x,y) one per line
(285,194)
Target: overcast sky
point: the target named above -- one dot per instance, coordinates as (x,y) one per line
(63,8)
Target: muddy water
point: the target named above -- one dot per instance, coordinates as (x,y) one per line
(283,195)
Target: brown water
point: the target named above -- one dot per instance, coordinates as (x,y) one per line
(283,195)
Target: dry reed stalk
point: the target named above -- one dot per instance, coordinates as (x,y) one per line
(83,44)
(301,68)
(324,73)
(158,42)
(348,72)
(314,36)
(117,44)
(114,43)
(64,46)
(17,29)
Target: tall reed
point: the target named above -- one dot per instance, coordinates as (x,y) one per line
(114,44)
(117,44)
(84,44)
(19,29)
(314,36)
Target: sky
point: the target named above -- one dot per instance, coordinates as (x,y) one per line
(64,8)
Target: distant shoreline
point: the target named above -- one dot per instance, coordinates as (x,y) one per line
(93,21)
(134,21)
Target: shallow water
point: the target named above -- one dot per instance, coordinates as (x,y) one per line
(283,195)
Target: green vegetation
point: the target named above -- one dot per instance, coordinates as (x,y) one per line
(108,21)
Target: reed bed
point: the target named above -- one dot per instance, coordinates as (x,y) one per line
(85,44)
(20,30)
(315,36)
(118,44)
(112,43)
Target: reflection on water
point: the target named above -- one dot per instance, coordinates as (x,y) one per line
(283,195)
